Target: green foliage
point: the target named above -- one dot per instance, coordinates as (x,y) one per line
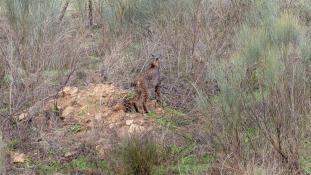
(81,163)
(262,12)
(286,30)
(249,135)
(305,49)
(185,161)
(51,167)
(12,144)
(307,6)
(305,158)
(51,76)
(75,128)
(80,6)
(166,122)
(25,15)
(171,118)
(264,48)
(272,58)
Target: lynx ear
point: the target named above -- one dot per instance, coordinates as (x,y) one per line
(156,56)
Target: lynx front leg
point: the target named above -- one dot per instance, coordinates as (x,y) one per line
(134,104)
(144,97)
(158,93)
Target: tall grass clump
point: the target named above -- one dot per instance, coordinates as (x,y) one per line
(264,90)
(138,155)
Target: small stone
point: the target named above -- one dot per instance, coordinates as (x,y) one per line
(69,91)
(135,129)
(18,157)
(70,154)
(129,122)
(112,125)
(22,116)
(159,111)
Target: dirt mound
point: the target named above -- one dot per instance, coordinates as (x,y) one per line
(95,114)
(102,104)
(90,121)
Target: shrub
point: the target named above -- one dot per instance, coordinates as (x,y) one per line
(260,88)
(139,155)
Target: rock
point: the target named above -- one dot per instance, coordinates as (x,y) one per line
(129,122)
(159,111)
(22,116)
(69,91)
(136,129)
(70,154)
(67,111)
(18,157)
(112,125)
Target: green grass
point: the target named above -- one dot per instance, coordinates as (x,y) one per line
(171,118)
(161,120)
(82,112)
(184,160)
(81,163)
(75,128)
(51,76)
(305,157)
(12,144)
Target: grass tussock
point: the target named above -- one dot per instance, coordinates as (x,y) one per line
(139,155)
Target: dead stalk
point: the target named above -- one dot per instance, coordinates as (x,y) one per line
(64,9)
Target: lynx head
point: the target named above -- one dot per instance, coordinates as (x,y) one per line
(155,60)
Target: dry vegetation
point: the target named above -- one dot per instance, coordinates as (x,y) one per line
(240,70)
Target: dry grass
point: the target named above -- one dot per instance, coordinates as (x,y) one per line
(257,53)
